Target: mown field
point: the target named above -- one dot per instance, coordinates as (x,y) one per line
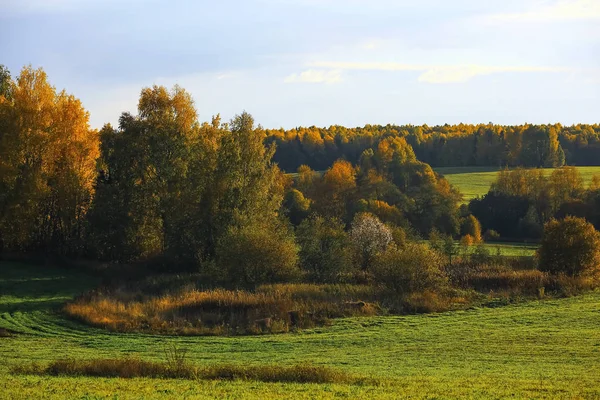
(476,181)
(540,349)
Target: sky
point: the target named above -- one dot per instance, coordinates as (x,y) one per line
(320,62)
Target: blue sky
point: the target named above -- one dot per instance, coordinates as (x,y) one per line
(320,62)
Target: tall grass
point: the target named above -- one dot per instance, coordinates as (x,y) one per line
(514,277)
(271,308)
(137,368)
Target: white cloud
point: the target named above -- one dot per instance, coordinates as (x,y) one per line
(435,73)
(464,73)
(316,76)
(559,10)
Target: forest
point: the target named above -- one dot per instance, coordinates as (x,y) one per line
(240,208)
(531,146)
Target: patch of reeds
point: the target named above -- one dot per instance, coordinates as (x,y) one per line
(130,367)
(269,309)
(507,279)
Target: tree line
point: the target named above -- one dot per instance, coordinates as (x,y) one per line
(443,146)
(162,186)
(166,190)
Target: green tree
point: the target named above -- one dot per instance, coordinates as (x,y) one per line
(541,147)
(5,82)
(244,185)
(564,185)
(570,246)
(324,248)
(296,205)
(257,253)
(146,168)
(413,268)
(471,226)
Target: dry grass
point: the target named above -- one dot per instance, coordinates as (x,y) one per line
(270,309)
(510,281)
(137,368)
(519,282)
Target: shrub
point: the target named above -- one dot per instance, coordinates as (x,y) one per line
(491,235)
(570,246)
(467,240)
(255,253)
(297,206)
(369,237)
(568,286)
(324,247)
(414,268)
(470,226)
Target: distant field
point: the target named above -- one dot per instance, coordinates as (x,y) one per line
(476,181)
(510,249)
(540,349)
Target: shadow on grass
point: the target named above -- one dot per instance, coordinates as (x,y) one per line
(28,288)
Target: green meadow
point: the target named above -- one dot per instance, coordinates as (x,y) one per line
(509,249)
(540,349)
(476,181)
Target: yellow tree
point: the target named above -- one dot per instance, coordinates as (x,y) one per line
(25,139)
(336,190)
(48,154)
(564,185)
(72,158)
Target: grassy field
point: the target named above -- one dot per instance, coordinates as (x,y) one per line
(546,349)
(476,181)
(510,249)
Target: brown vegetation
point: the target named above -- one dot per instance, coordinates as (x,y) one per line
(136,368)
(271,308)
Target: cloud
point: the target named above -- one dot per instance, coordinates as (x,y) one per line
(316,76)
(434,73)
(464,73)
(560,10)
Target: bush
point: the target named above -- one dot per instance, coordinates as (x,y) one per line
(470,226)
(369,237)
(570,246)
(324,247)
(491,235)
(415,268)
(254,253)
(467,241)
